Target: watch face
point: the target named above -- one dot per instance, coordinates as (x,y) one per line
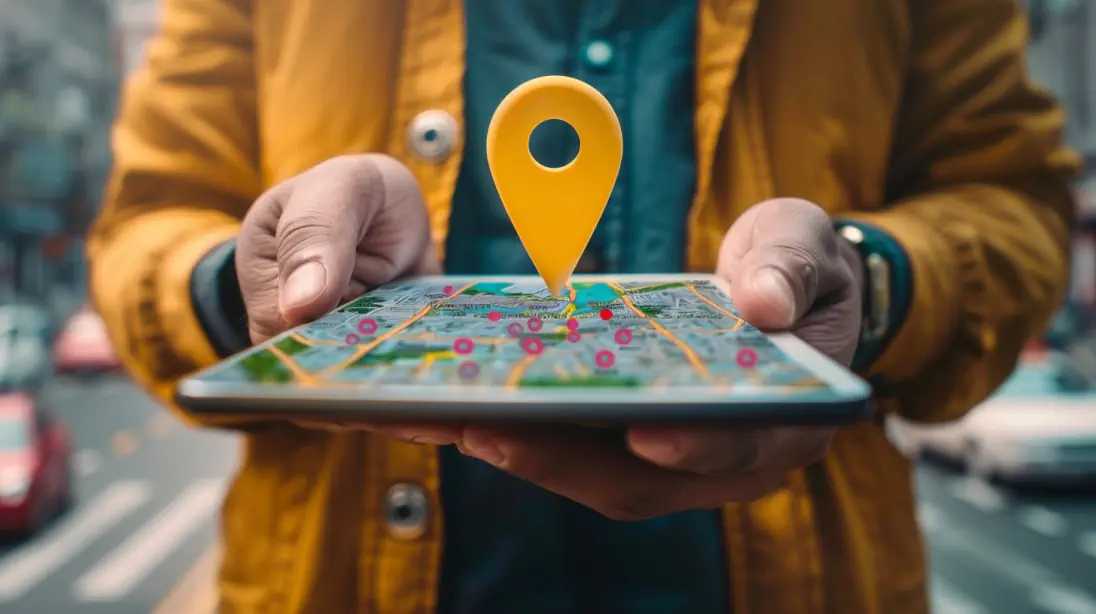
(852,234)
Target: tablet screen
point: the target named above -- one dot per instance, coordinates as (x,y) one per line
(628,333)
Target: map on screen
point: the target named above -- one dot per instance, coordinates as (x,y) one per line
(501,333)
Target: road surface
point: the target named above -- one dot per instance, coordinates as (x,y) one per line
(147,495)
(140,537)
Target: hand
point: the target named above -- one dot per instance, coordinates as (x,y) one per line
(788,270)
(324,237)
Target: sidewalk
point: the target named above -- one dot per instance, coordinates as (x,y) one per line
(196,593)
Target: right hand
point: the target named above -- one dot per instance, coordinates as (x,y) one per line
(326,236)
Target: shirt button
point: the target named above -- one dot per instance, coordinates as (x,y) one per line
(599,53)
(432,135)
(406,511)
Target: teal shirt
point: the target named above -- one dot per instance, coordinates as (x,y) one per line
(511,546)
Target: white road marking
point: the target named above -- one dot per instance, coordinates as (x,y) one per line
(946,599)
(929,518)
(1059,599)
(978,493)
(1087,543)
(29,565)
(117,574)
(993,556)
(1044,521)
(86,462)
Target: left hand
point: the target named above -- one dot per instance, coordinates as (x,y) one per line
(788,270)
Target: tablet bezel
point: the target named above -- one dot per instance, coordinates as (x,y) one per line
(847,398)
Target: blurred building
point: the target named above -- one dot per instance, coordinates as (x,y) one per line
(58,86)
(1063,57)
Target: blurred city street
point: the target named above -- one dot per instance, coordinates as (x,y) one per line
(147,494)
(148,490)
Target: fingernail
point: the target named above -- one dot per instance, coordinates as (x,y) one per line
(774,286)
(657,449)
(304,285)
(482,450)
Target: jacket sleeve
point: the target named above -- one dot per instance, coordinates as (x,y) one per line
(981,202)
(185,171)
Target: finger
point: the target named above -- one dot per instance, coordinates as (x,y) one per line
(781,258)
(724,452)
(432,434)
(396,240)
(359,217)
(592,468)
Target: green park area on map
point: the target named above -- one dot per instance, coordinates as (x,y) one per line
(603,334)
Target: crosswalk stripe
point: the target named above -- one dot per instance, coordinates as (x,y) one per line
(978,493)
(1063,600)
(1087,543)
(1042,520)
(32,563)
(946,599)
(116,575)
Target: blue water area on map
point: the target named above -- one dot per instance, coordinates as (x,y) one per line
(593,293)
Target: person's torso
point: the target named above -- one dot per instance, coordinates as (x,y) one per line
(789,99)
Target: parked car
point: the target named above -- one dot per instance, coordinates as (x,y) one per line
(35,454)
(1027,433)
(83,346)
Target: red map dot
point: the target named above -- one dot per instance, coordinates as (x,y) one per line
(464,345)
(515,329)
(572,323)
(573,336)
(534,324)
(604,359)
(747,357)
(447,289)
(606,314)
(623,336)
(494,316)
(367,326)
(468,370)
(352,339)
(532,345)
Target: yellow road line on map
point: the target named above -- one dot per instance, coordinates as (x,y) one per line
(518,371)
(561,372)
(739,322)
(369,347)
(424,366)
(301,376)
(697,363)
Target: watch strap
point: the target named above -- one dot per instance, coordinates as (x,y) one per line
(887,291)
(217,301)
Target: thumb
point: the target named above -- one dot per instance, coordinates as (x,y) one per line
(325,217)
(777,258)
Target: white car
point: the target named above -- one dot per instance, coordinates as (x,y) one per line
(1020,437)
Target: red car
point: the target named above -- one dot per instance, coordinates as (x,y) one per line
(34,465)
(83,346)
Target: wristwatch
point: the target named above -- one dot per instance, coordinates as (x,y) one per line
(877,294)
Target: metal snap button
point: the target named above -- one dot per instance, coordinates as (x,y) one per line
(598,54)
(432,135)
(407,511)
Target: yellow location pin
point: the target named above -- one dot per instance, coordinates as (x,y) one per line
(554,210)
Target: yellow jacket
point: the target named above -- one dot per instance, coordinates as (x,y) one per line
(917,115)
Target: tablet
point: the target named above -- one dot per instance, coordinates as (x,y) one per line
(622,348)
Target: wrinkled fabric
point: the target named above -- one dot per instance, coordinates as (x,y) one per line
(917,117)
